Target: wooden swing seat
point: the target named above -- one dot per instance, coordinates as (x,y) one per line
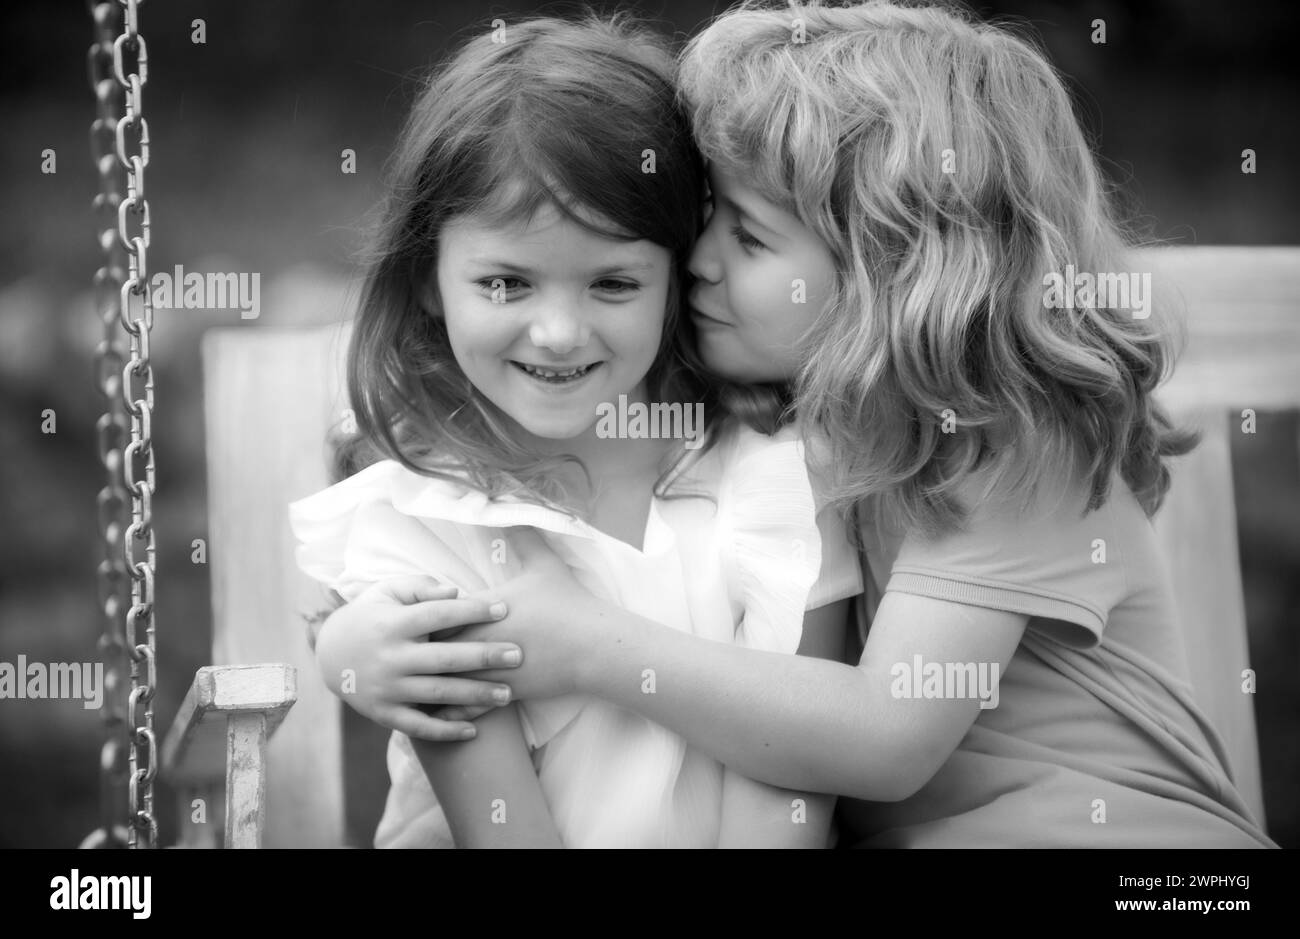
(271,394)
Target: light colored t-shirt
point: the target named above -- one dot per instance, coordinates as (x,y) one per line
(740,566)
(1095,741)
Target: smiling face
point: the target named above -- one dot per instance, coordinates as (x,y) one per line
(743,303)
(548,319)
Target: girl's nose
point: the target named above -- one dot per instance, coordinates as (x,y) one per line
(559,330)
(704,263)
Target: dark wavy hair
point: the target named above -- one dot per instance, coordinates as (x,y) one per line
(561,112)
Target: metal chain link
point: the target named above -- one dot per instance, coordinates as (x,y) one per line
(110,432)
(112,78)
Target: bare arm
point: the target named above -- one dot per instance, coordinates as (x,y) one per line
(792,721)
(799,722)
(756,815)
(488,787)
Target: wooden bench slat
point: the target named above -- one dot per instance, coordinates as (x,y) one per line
(1242,314)
(1197,529)
(270,397)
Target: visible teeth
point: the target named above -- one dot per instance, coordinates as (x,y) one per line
(552,373)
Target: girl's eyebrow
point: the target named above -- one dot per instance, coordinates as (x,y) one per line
(629,267)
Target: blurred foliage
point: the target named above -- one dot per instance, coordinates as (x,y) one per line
(246,135)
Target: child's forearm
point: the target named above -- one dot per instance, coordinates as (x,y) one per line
(794,722)
(756,815)
(488,788)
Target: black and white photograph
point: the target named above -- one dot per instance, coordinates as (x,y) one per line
(652,425)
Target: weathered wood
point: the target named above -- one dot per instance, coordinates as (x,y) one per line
(270,397)
(194,751)
(246,777)
(220,733)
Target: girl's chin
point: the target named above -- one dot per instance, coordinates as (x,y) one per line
(550,429)
(721,359)
(557,434)
(739,367)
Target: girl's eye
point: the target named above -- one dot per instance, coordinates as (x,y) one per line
(746,239)
(500,288)
(616,286)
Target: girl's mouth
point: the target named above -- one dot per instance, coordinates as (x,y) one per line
(555,376)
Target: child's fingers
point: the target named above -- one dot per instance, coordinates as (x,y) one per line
(455,713)
(438,658)
(416,724)
(501,676)
(437,615)
(436,689)
(416,589)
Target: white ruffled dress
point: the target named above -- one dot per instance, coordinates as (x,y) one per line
(741,566)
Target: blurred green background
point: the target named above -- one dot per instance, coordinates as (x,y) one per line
(246,135)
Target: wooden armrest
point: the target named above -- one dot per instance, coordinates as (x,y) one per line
(222,728)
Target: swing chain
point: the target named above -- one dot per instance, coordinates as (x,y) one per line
(113,79)
(110,432)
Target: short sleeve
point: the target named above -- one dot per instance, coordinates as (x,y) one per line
(775,546)
(1051,561)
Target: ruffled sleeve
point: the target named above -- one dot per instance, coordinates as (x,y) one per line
(387,521)
(775,547)
(351,536)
